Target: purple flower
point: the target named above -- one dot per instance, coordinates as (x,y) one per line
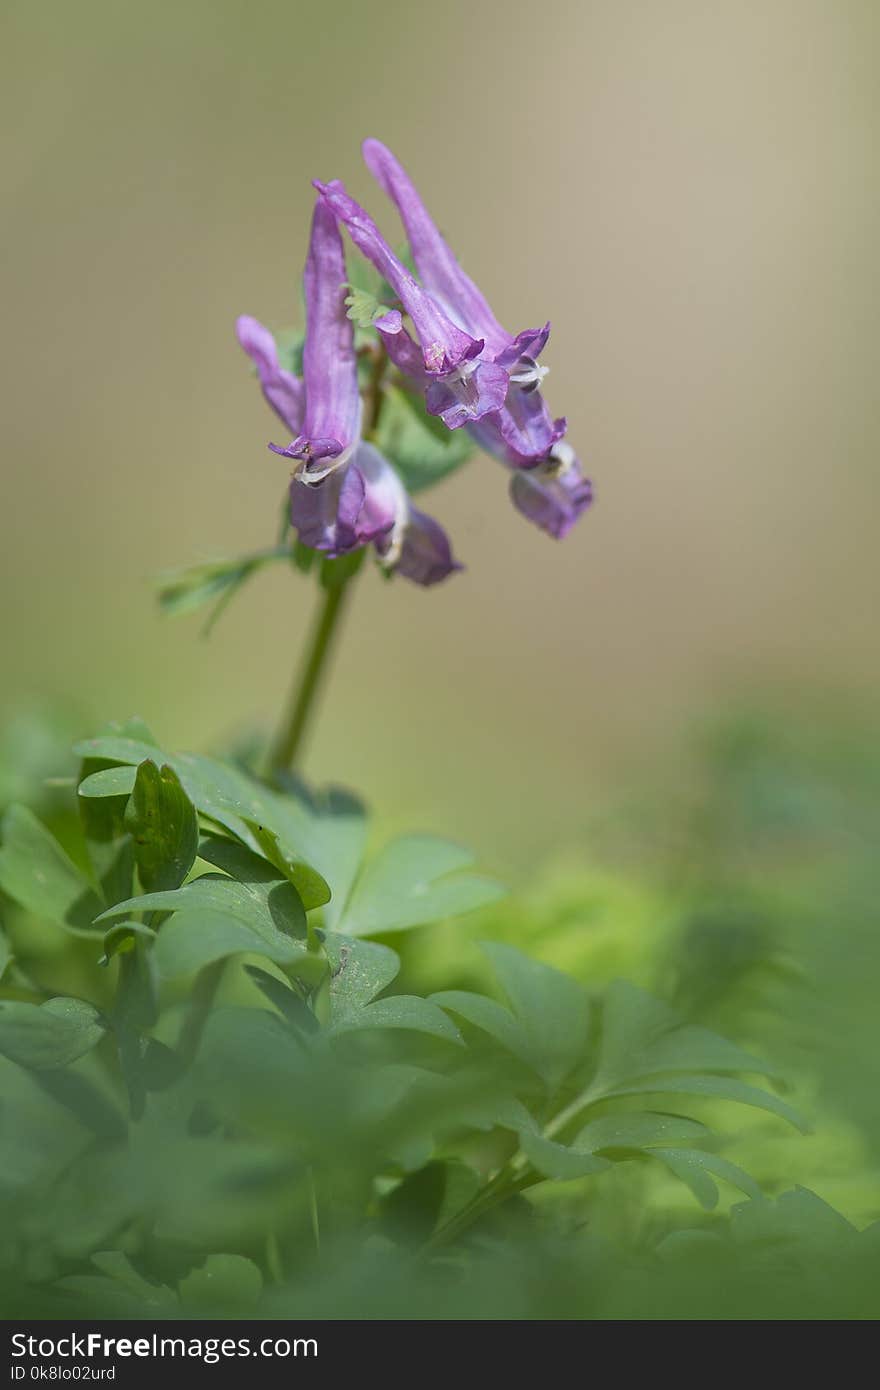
(343,494)
(461,381)
(552,494)
(521,431)
(491,384)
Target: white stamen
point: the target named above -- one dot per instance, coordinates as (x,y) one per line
(529,374)
(562,458)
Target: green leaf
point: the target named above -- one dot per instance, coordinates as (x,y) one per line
(694,1168)
(641,1036)
(182,591)
(325,831)
(312,887)
(362,307)
(359,970)
(414,880)
(557,1160)
(551,1009)
(485,1013)
(53,1034)
(223,1281)
(5,955)
(712,1088)
(697,1049)
(286,1000)
(122,938)
(163,824)
(628,1130)
(412,1210)
(196,938)
(102,813)
(109,781)
(399,1011)
(37,874)
(409,437)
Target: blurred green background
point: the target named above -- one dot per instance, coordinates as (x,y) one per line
(685,188)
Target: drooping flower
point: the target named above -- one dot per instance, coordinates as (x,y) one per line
(517,429)
(552,494)
(343,494)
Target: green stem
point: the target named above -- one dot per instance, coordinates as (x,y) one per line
(200,1003)
(288,741)
(504,1185)
(289,738)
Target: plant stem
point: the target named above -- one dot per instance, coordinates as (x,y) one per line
(288,740)
(200,1003)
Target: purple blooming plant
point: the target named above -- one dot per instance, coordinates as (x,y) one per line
(474,374)
(343,494)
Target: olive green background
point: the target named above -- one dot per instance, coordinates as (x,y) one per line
(686,189)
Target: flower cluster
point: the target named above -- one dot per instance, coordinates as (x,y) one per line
(447,345)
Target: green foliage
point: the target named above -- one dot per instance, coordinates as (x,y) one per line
(422,453)
(363,308)
(48,1035)
(217,582)
(238,1068)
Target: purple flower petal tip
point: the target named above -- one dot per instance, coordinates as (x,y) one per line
(283,391)
(553,495)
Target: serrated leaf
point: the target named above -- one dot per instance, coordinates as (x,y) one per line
(362,307)
(408,436)
(37,874)
(49,1035)
(551,1009)
(164,827)
(414,880)
(696,1169)
(557,1160)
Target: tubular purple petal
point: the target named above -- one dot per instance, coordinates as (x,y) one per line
(425,555)
(331,425)
(554,494)
(438,268)
(444,345)
(282,389)
(474,392)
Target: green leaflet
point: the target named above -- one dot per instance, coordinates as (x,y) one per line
(414,880)
(38,875)
(49,1035)
(164,827)
(409,437)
